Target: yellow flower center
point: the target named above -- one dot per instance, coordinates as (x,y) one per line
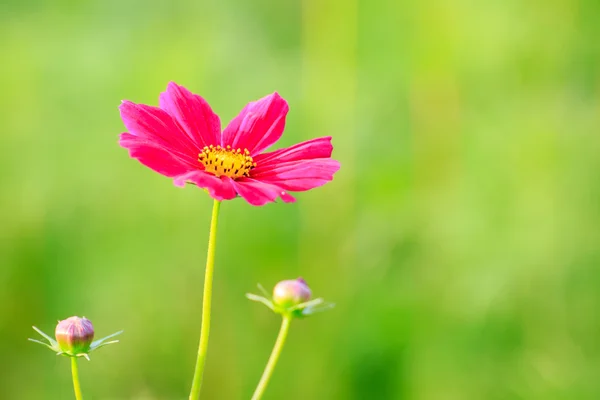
(226,161)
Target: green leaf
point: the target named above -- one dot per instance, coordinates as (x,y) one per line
(52,341)
(260,299)
(42,343)
(98,343)
(263,291)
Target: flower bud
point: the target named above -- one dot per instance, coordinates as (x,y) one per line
(74,335)
(290,293)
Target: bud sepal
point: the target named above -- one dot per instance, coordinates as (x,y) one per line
(79,343)
(291,299)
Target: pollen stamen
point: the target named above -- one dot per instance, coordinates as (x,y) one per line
(226,161)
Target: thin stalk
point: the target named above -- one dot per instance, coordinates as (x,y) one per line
(206,302)
(75,373)
(266,376)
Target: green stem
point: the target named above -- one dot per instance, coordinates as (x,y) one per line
(75,373)
(266,376)
(206,300)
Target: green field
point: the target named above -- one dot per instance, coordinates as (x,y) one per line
(460,240)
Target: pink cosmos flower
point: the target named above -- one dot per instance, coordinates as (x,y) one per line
(182,139)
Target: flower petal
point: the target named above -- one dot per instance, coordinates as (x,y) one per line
(218,188)
(259,193)
(315,148)
(153,156)
(155,125)
(298,176)
(193,114)
(258,125)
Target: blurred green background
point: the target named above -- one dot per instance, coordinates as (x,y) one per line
(460,240)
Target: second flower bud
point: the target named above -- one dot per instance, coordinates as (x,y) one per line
(291,292)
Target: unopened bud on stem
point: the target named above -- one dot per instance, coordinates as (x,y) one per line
(74,338)
(290,293)
(74,335)
(291,298)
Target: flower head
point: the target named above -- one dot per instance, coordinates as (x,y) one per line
(291,292)
(291,298)
(182,140)
(74,338)
(74,335)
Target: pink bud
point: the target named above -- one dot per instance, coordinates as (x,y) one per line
(290,293)
(74,335)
